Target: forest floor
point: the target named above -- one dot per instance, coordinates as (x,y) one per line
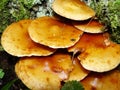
(7,63)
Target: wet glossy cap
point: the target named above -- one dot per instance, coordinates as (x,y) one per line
(53,33)
(44,73)
(16,41)
(73,9)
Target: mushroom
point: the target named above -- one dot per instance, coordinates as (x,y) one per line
(73,9)
(78,73)
(98,53)
(89,26)
(102,81)
(16,41)
(53,33)
(44,73)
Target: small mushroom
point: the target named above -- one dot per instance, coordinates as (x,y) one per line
(16,41)
(89,26)
(78,73)
(98,53)
(73,9)
(44,73)
(102,81)
(53,33)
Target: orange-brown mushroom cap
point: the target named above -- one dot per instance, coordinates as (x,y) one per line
(90,26)
(98,53)
(16,41)
(78,73)
(53,33)
(73,9)
(44,73)
(102,81)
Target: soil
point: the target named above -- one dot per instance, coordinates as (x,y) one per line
(7,63)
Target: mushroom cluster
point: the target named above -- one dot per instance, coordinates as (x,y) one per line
(54,50)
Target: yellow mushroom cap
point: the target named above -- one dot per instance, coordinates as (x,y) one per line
(44,73)
(78,73)
(90,26)
(102,81)
(16,41)
(98,53)
(73,9)
(53,33)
